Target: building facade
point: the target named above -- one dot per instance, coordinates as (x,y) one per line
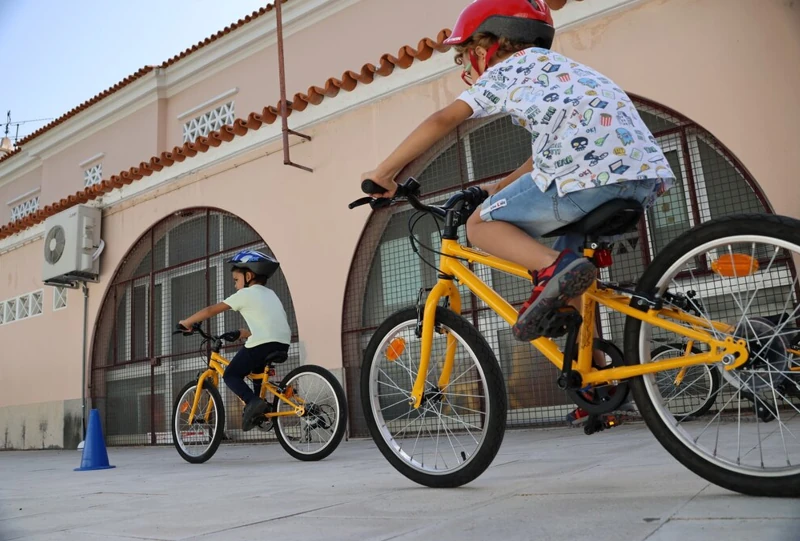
(186,162)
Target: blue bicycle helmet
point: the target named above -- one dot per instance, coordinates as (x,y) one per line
(256,262)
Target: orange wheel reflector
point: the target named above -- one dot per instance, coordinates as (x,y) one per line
(395,348)
(184,406)
(289,392)
(735,265)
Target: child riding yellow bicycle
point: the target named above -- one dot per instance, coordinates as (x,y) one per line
(588,143)
(268,328)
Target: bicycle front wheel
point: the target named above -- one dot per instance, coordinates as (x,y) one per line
(197,441)
(737,276)
(456,432)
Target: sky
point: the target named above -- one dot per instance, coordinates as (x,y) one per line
(56,54)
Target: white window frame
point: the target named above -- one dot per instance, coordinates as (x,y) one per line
(22,307)
(209,121)
(20,210)
(93,175)
(59,298)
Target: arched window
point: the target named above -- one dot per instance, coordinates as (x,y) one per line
(138,366)
(386,275)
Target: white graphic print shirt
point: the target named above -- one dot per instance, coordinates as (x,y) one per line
(585,130)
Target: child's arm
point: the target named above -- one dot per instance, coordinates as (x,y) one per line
(204,314)
(422,138)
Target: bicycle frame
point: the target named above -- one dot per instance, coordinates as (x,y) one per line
(451,269)
(216,367)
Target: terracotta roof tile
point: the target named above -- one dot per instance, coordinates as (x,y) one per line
(268,115)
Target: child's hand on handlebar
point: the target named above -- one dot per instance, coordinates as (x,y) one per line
(383,180)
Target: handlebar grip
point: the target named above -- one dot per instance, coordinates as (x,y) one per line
(370,187)
(180,329)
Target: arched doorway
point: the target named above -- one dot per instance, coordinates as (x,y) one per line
(175,268)
(386,274)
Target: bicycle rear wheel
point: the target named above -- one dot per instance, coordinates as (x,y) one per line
(318,432)
(739,271)
(691,392)
(197,441)
(456,432)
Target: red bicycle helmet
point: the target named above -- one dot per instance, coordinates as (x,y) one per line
(523,21)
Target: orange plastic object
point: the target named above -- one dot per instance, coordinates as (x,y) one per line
(395,348)
(735,265)
(184,406)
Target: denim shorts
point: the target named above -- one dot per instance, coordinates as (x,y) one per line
(537,213)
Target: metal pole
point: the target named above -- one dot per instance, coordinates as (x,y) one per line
(83,358)
(284,104)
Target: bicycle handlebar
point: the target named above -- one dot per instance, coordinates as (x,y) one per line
(409,191)
(196,329)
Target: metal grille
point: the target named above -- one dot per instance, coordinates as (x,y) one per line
(138,367)
(386,275)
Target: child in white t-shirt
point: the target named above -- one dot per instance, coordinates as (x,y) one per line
(268,327)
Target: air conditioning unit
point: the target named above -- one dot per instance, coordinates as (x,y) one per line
(72,246)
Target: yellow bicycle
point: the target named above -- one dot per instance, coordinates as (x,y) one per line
(433,393)
(309,411)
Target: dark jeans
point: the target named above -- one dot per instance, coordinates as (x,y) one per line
(249,360)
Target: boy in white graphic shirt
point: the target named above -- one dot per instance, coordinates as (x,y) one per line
(588,146)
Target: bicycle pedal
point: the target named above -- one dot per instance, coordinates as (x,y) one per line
(558,323)
(597,423)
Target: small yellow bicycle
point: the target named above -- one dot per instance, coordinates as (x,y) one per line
(309,411)
(433,393)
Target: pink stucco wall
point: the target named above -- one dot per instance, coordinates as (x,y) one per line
(726,64)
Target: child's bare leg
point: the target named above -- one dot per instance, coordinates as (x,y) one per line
(507,241)
(563,275)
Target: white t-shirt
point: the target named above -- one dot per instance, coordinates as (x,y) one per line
(264,314)
(585,130)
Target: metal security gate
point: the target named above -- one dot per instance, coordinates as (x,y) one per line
(138,366)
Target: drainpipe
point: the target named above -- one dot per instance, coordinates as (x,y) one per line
(83,359)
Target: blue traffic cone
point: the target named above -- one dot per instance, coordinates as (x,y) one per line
(94,456)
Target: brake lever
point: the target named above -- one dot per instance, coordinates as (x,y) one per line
(380,203)
(359,202)
(371,187)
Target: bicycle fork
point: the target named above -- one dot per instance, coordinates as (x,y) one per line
(199,390)
(443,288)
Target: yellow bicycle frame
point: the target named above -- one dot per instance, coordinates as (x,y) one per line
(216,368)
(451,268)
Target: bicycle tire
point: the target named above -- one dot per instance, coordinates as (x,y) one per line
(496,398)
(341,418)
(216,439)
(777,228)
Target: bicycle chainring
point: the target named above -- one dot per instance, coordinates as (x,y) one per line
(602,398)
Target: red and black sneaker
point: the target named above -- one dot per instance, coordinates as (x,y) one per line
(577,417)
(568,277)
